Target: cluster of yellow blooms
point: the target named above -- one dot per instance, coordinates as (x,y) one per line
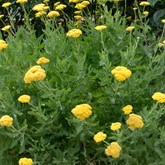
(100,136)
(3,44)
(24,99)
(100,27)
(42,60)
(121,73)
(35,73)
(75,33)
(115,126)
(159,97)
(6,121)
(25,161)
(82,111)
(127,109)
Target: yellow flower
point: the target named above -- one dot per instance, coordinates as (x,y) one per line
(60,7)
(80,6)
(39,7)
(82,111)
(161,45)
(1,16)
(53,14)
(74,1)
(144,3)
(130,28)
(57,3)
(121,73)
(145,13)
(163,42)
(75,33)
(6,121)
(134,121)
(45,1)
(6,5)
(77,12)
(3,44)
(24,99)
(127,109)
(78,17)
(113,150)
(163,20)
(85,3)
(40,13)
(100,27)
(42,60)
(159,97)
(115,126)
(100,136)
(25,161)
(6,28)
(35,73)
(21,1)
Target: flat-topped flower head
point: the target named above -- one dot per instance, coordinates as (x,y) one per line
(53,14)
(21,1)
(3,44)
(60,7)
(134,121)
(100,27)
(163,20)
(25,161)
(6,120)
(6,28)
(43,60)
(39,7)
(130,28)
(121,73)
(75,33)
(145,13)
(113,150)
(82,111)
(100,136)
(1,16)
(127,109)
(6,5)
(115,126)
(159,97)
(24,99)
(144,3)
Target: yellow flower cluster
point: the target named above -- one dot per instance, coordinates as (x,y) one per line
(115,126)
(144,3)
(113,150)
(53,14)
(6,121)
(42,60)
(127,109)
(1,16)
(21,1)
(6,28)
(41,9)
(159,97)
(145,13)
(82,111)
(6,5)
(25,161)
(60,7)
(100,136)
(100,27)
(24,99)
(121,73)
(35,73)
(130,28)
(3,44)
(75,33)
(82,5)
(134,121)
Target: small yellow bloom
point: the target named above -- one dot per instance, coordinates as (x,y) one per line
(134,121)
(3,44)
(53,14)
(60,7)
(163,20)
(6,121)
(24,99)
(42,60)
(100,136)
(6,5)
(21,1)
(127,109)
(40,13)
(39,7)
(80,6)
(159,97)
(144,3)
(121,73)
(25,161)
(6,28)
(77,12)
(85,3)
(78,17)
(113,150)
(74,1)
(56,4)
(100,27)
(130,28)
(163,42)
(115,126)
(145,13)
(75,33)
(82,111)
(1,16)
(161,45)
